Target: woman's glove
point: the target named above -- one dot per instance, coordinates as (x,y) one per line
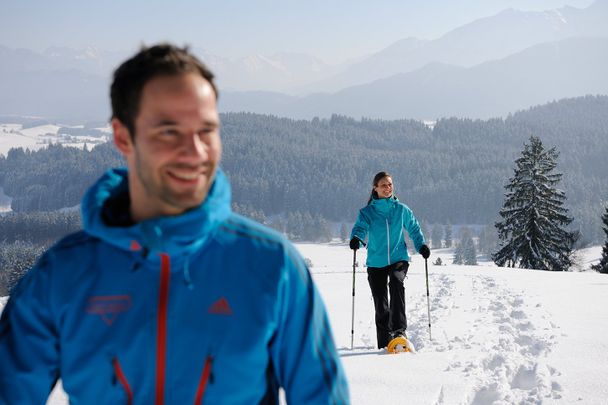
(424,251)
(354,243)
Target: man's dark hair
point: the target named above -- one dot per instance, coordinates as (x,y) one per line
(131,77)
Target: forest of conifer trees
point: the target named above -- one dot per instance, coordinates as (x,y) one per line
(290,174)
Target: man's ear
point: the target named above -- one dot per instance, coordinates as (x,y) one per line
(122,137)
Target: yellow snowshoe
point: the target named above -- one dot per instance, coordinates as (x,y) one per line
(399,344)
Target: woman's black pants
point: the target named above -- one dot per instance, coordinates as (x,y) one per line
(391,319)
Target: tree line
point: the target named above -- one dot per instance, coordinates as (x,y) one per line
(304,177)
(54,177)
(23,238)
(454,172)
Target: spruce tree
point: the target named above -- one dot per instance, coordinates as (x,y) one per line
(488,240)
(602,266)
(322,230)
(532,233)
(426,231)
(448,235)
(458,257)
(436,236)
(469,252)
(344,233)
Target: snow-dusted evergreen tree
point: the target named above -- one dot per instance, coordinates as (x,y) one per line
(448,235)
(602,266)
(436,236)
(426,231)
(343,232)
(488,240)
(458,257)
(532,233)
(469,252)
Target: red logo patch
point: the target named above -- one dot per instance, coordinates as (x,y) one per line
(135,246)
(220,307)
(108,306)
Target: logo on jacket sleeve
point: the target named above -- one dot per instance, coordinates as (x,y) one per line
(220,307)
(108,307)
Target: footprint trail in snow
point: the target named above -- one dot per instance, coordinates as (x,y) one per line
(499,347)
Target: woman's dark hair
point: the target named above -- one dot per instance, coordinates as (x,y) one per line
(131,77)
(379,176)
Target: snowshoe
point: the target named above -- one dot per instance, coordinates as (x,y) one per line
(399,344)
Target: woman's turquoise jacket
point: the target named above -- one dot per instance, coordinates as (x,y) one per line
(383,222)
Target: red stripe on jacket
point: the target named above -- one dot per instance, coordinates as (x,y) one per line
(161,330)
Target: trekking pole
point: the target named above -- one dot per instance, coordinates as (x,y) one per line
(352,325)
(428,303)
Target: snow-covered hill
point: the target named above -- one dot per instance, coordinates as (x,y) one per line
(500,336)
(37,137)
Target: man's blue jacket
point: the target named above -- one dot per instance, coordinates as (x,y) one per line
(383,222)
(202,307)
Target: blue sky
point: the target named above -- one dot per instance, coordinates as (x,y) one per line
(333,30)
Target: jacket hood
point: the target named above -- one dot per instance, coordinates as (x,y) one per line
(180,234)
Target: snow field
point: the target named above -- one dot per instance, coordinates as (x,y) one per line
(11,137)
(500,336)
(14,136)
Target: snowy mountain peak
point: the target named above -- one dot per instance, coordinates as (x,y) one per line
(65,53)
(260,62)
(556,18)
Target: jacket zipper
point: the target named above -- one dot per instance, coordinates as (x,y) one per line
(161,330)
(388,243)
(123,380)
(202,385)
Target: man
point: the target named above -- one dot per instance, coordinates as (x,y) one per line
(166,296)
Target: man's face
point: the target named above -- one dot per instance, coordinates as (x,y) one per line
(176,148)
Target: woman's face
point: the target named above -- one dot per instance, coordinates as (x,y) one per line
(384,187)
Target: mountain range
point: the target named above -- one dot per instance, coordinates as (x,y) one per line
(539,74)
(486,39)
(489,67)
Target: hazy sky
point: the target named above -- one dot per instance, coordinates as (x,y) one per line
(333,30)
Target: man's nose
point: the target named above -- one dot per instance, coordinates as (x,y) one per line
(194,146)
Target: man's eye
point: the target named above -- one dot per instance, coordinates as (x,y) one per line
(206,131)
(169,132)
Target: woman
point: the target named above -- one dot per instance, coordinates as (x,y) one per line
(383,221)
